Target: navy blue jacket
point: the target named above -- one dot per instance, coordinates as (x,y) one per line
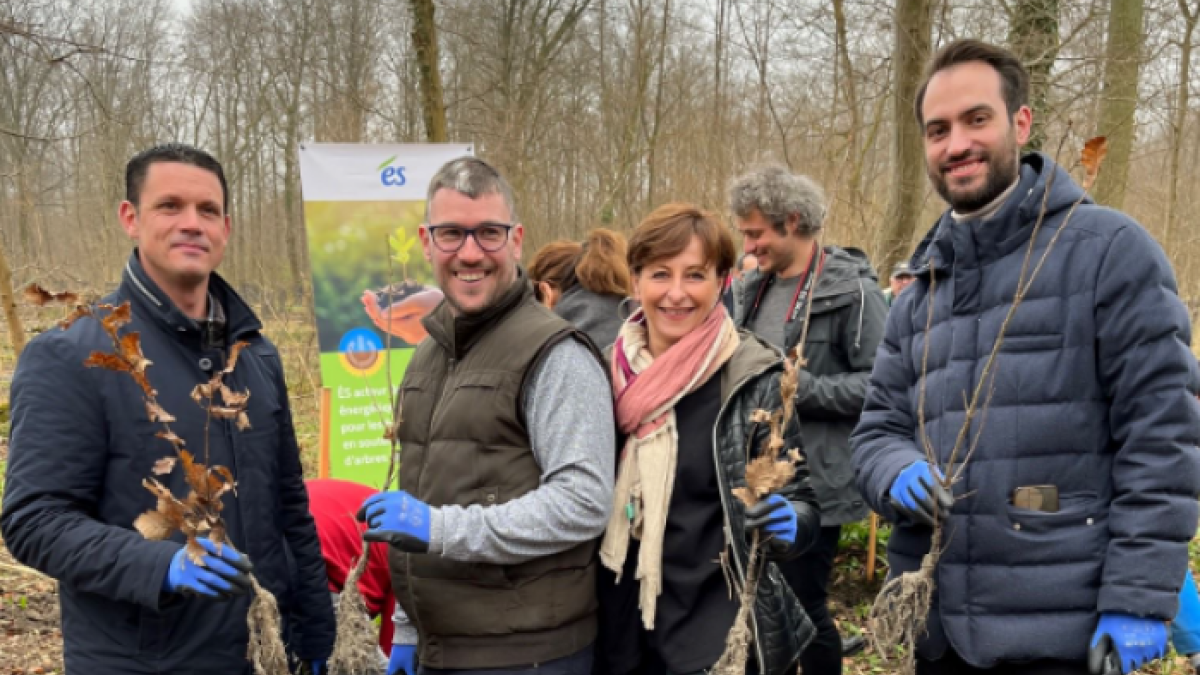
(81,445)
(1094,393)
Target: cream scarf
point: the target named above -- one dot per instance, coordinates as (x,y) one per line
(646,391)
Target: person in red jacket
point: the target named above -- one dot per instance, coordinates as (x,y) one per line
(333,504)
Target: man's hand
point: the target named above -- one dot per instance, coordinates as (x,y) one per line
(917,495)
(404,660)
(776,517)
(397,518)
(225,573)
(1123,643)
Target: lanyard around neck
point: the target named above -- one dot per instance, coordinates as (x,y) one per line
(816,262)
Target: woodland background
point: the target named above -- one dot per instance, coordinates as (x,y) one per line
(596,110)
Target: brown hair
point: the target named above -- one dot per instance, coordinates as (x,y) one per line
(669,229)
(1014,79)
(598,264)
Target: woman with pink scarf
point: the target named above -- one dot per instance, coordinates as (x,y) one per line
(686,383)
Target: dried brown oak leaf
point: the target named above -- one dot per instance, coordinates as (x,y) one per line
(1092,157)
(36,295)
(233,356)
(131,350)
(169,514)
(117,317)
(209,483)
(78,313)
(170,437)
(163,466)
(154,526)
(156,413)
(764,475)
(108,362)
(205,391)
(232,398)
(224,412)
(118,363)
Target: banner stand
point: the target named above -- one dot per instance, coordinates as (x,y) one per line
(323,456)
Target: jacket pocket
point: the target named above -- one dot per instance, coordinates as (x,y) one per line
(152,628)
(1077,531)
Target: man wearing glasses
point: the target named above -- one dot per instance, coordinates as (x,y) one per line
(506,421)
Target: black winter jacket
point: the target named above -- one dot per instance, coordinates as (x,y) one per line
(749,382)
(81,445)
(1093,393)
(848,316)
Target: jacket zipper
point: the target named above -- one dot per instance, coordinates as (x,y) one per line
(416,617)
(737,564)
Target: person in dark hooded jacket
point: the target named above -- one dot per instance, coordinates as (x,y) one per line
(82,444)
(780,216)
(586,283)
(1066,539)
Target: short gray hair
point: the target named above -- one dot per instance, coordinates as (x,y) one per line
(474,178)
(778,193)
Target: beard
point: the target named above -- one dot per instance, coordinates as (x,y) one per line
(1003,167)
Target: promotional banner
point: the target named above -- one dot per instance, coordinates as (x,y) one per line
(363,205)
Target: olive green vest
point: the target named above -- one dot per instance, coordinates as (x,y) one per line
(465,443)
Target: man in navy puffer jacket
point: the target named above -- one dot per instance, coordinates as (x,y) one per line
(1093,400)
(82,444)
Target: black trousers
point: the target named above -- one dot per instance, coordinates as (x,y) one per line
(952,664)
(808,576)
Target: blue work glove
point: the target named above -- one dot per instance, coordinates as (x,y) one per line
(1123,643)
(224,574)
(917,495)
(397,518)
(404,659)
(1185,629)
(777,519)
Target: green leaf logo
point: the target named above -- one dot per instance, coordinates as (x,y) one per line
(387,161)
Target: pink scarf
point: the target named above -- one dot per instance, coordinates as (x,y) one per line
(646,390)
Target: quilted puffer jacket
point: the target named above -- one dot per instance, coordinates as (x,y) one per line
(749,382)
(1093,393)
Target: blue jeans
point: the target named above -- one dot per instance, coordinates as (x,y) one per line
(579,663)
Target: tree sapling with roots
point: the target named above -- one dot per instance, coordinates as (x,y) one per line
(199,513)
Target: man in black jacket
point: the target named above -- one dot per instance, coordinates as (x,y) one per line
(82,444)
(780,216)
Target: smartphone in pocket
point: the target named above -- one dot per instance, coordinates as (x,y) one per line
(1042,498)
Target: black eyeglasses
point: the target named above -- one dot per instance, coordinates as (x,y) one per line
(491,237)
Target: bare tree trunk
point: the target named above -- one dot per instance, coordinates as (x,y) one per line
(1179,119)
(913,28)
(651,159)
(1119,101)
(425,43)
(849,91)
(8,301)
(1033,35)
